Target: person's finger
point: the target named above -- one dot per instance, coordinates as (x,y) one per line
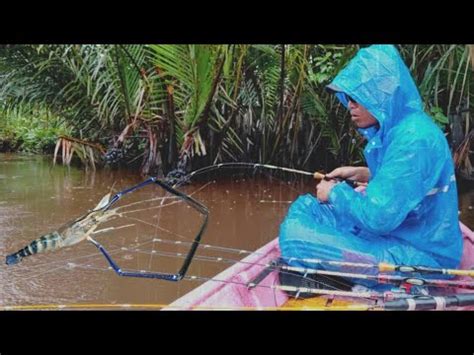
(335,173)
(318,194)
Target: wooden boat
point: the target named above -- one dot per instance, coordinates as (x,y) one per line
(228,290)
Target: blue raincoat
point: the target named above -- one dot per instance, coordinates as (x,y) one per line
(409,212)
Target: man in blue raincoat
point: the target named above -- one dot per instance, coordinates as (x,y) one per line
(408,213)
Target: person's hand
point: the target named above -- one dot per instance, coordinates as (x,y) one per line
(323,189)
(357,173)
(361,189)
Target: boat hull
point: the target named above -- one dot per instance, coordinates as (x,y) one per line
(228,289)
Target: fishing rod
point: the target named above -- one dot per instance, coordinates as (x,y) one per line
(387,267)
(315,175)
(392,301)
(390,279)
(430,303)
(380,267)
(387,300)
(369,294)
(397,280)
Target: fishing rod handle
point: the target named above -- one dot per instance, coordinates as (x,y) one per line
(351,183)
(385,267)
(430,303)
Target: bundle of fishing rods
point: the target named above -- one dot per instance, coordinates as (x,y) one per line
(403,277)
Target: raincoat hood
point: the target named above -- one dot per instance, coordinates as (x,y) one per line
(378,79)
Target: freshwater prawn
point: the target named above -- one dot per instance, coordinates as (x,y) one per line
(68,235)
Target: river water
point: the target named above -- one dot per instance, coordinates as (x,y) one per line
(37,198)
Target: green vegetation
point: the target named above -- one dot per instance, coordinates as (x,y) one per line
(155,104)
(29,129)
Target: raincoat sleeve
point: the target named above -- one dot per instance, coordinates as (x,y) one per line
(408,172)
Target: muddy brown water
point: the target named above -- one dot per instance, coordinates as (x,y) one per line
(37,198)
